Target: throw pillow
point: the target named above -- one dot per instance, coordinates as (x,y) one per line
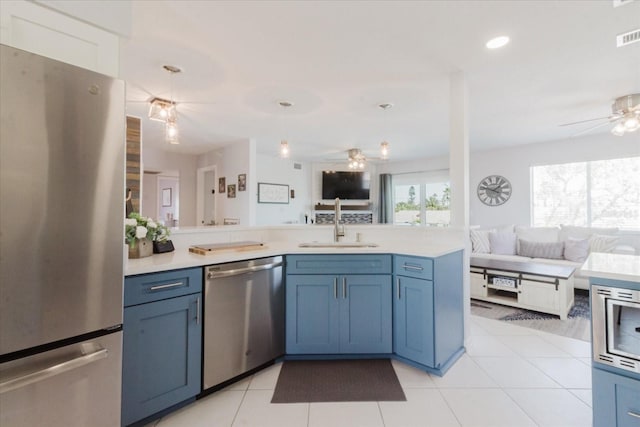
(576,250)
(480,241)
(551,250)
(502,243)
(600,243)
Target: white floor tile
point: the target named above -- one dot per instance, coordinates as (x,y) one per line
(583,394)
(485,407)
(345,414)
(586,360)
(256,410)
(498,327)
(215,410)
(553,408)
(570,373)
(532,346)
(411,377)
(515,372)
(483,345)
(575,348)
(239,386)
(465,373)
(266,379)
(476,330)
(423,408)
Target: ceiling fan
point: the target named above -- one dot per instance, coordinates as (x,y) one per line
(625,115)
(357,160)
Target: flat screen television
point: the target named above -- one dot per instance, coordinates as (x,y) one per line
(345,185)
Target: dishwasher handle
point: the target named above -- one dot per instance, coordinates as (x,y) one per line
(243,270)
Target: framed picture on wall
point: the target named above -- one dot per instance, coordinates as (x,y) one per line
(231,191)
(273,193)
(222,185)
(242,182)
(166,197)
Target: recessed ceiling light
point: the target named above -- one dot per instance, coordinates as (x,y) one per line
(497,42)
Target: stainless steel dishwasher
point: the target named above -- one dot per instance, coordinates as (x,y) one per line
(243,318)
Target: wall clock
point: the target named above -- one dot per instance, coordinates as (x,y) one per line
(494,190)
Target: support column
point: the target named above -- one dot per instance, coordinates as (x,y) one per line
(459,176)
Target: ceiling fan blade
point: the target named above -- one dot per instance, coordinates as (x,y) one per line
(608,122)
(589,120)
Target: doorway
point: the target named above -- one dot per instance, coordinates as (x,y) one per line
(206,188)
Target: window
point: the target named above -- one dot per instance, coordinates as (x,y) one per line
(604,193)
(421,199)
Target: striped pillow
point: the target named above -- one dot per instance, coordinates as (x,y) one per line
(480,241)
(551,250)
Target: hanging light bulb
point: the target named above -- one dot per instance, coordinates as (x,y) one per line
(171,132)
(384,150)
(284,149)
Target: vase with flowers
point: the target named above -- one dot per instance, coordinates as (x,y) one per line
(140,232)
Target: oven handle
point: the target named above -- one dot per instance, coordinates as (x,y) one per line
(633,414)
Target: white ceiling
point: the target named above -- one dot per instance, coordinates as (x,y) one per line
(336,61)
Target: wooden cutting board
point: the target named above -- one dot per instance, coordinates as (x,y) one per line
(218,247)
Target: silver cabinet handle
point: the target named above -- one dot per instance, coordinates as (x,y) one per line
(412,267)
(198,311)
(57,369)
(237,271)
(335,287)
(344,287)
(168,285)
(398,283)
(633,414)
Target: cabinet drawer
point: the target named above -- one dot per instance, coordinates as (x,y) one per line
(616,399)
(410,266)
(157,286)
(339,264)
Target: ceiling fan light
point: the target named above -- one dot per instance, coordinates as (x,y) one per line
(497,42)
(618,129)
(631,123)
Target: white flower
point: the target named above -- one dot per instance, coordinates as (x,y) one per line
(151,224)
(141,232)
(130,221)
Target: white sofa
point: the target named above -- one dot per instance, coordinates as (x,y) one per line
(564,245)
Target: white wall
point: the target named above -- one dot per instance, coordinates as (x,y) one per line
(231,161)
(185,164)
(514,163)
(274,170)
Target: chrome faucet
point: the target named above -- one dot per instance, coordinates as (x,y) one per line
(338,228)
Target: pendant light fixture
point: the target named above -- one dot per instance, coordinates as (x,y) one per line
(384,145)
(284,144)
(165,110)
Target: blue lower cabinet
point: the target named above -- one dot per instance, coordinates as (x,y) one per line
(161,355)
(339,314)
(413,320)
(616,399)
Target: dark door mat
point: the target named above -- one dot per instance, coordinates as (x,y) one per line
(370,380)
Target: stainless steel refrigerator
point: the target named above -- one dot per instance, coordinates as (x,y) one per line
(62,145)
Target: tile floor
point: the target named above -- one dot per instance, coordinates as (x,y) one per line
(510,376)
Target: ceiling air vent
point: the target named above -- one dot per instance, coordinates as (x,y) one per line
(297,165)
(628,38)
(617,3)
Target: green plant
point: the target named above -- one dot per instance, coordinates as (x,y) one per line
(140,227)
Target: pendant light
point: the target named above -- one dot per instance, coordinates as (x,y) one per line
(384,145)
(284,144)
(165,110)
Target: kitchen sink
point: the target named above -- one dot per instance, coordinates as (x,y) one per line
(337,245)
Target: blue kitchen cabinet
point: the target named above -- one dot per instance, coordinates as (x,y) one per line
(616,399)
(338,313)
(162,339)
(428,313)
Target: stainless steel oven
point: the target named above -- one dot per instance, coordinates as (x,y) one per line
(616,327)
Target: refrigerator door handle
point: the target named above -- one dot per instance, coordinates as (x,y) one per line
(56,369)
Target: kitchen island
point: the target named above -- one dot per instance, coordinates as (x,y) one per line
(399,297)
(615,317)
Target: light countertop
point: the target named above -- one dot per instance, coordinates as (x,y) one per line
(182,258)
(612,266)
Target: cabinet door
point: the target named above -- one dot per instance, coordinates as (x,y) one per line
(413,319)
(539,295)
(478,285)
(365,314)
(616,399)
(161,355)
(312,314)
